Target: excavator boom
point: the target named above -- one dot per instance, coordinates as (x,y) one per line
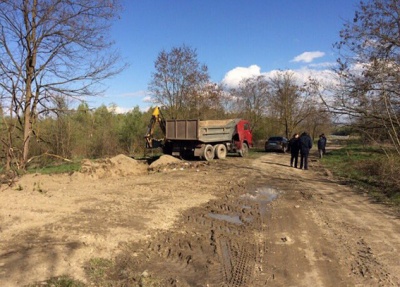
(156,118)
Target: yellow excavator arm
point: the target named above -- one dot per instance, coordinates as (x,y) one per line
(156,118)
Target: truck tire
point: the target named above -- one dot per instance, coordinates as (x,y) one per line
(220,151)
(244,151)
(208,153)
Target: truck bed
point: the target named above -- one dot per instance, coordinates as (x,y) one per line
(204,131)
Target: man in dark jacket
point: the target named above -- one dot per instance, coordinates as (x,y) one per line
(294,148)
(321,145)
(305,146)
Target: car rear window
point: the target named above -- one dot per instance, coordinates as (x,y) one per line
(275,139)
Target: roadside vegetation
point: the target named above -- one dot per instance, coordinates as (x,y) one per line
(371,168)
(55,168)
(82,132)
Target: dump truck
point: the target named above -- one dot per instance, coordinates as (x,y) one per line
(206,139)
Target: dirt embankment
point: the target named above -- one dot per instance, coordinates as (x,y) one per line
(233,222)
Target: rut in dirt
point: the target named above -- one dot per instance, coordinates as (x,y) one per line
(215,245)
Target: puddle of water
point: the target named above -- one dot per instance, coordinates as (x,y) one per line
(262,194)
(229,218)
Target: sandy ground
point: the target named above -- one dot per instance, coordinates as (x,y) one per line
(234,222)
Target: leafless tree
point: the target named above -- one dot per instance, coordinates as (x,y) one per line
(52,47)
(251,99)
(205,103)
(290,102)
(370,70)
(178,78)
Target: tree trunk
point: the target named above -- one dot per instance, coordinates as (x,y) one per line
(27,128)
(30,25)
(9,154)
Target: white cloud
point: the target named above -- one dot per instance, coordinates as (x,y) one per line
(147,99)
(327,65)
(118,110)
(137,94)
(234,76)
(124,110)
(145,108)
(308,57)
(125,102)
(324,76)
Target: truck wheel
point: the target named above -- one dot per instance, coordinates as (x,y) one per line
(244,151)
(208,153)
(220,151)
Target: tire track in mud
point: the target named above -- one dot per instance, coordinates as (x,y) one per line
(237,261)
(215,245)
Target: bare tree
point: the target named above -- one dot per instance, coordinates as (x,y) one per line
(251,99)
(290,102)
(370,70)
(178,78)
(320,119)
(206,102)
(52,47)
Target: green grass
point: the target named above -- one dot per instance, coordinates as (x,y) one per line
(256,152)
(98,270)
(56,168)
(369,168)
(346,162)
(62,281)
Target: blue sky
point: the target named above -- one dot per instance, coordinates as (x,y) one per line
(234,38)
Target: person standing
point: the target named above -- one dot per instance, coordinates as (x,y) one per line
(305,146)
(294,148)
(321,145)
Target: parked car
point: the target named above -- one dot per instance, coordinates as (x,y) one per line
(276,144)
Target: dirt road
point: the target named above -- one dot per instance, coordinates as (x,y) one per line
(234,222)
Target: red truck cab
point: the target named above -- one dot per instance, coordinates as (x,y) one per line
(243,139)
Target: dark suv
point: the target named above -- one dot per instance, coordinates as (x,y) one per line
(276,144)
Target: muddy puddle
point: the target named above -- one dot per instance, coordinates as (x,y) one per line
(262,195)
(257,199)
(229,218)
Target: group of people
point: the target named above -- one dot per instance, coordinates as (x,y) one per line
(302,144)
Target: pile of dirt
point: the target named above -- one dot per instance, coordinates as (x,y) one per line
(163,161)
(169,163)
(120,165)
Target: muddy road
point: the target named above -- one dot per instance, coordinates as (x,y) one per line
(234,222)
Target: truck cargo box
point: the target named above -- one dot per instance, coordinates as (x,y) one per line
(203,131)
